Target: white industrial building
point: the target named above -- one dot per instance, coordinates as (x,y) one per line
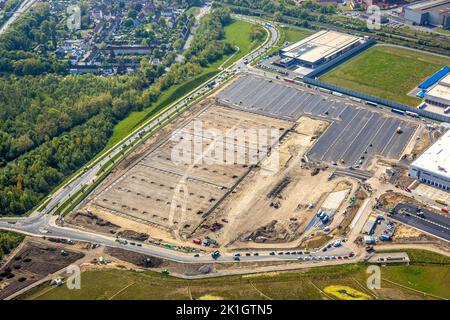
(439,95)
(432,12)
(433,166)
(320,47)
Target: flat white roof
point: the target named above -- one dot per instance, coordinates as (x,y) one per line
(322,44)
(441,90)
(437,158)
(445,81)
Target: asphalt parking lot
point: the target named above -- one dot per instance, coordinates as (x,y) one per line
(356,135)
(430,222)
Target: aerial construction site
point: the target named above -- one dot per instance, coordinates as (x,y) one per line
(260,164)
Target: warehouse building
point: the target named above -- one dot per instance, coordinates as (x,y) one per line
(432,12)
(320,47)
(433,166)
(439,94)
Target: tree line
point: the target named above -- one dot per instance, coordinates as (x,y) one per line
(9,241)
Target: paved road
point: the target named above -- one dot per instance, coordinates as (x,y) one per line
(19,11)
(430,222)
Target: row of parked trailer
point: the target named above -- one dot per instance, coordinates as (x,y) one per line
(407,113)
(369,103)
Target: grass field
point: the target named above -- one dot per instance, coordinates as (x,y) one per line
(387,72)
(237,33)
(417,281)
(294,34)
(290,34)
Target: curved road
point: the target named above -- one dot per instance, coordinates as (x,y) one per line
(19,11)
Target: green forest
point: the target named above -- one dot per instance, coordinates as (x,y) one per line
(51,123)
(9,241)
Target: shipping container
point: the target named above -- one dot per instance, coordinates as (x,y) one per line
(355,99)
(412,114)
(422,106)
(370,103)
(398,111)
(385,237)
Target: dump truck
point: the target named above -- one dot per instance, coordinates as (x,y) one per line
(215,255)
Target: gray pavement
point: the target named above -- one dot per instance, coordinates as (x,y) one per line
(431,222)
(356,135)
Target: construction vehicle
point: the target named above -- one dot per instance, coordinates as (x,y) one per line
(121,241)
(210,240)
(315,171)
(165,271)
(420,214)
(215,255)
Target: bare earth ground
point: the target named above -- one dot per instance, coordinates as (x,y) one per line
(34,261)
(249,210)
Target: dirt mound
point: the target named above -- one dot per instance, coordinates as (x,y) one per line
(271,232)
(133,235)
(145,261)
(135,258)
(92,221)
(33,262)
